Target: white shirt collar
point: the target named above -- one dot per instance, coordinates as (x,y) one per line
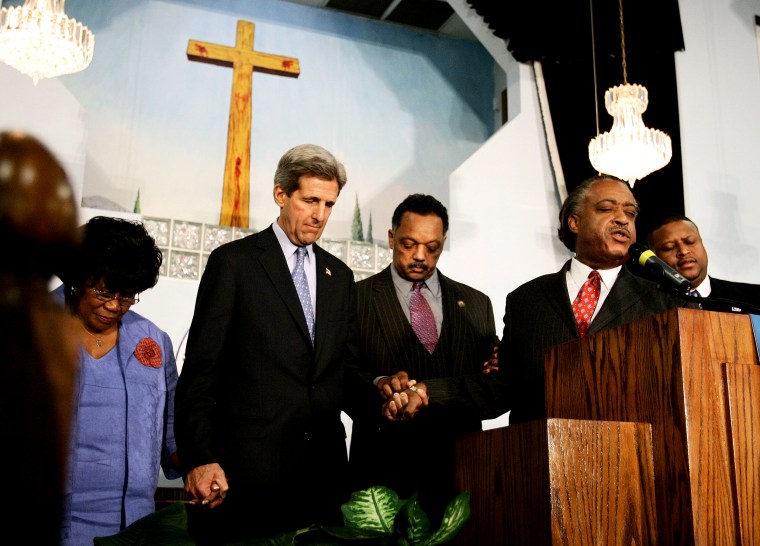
(288,248)
(579,273)
(704,287)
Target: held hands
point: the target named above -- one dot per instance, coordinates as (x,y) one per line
(391,384)
(492,364)
(207,484)
(403,396)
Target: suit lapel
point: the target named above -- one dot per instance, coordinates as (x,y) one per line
(325,298)
(556,295)
(273,262)
(623,295)
(390,317)
(454,325)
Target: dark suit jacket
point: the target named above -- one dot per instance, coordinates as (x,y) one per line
(538,316)
(388,344)
(735,291)
(255,396)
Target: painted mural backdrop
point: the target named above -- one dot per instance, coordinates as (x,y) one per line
(144,128)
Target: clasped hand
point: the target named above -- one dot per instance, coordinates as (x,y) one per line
(403,397)
(207,484)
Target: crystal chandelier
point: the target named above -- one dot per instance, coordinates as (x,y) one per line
(630,150)
(38,40)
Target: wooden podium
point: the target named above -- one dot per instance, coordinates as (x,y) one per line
(652,436)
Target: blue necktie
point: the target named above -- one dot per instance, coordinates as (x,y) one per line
(694,293)
(302,287)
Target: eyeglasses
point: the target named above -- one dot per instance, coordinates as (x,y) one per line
(105,296)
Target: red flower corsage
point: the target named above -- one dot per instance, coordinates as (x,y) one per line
(148,353)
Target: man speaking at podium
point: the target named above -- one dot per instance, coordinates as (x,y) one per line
(593,291)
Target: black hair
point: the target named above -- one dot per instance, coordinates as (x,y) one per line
(667,218)
(120,252)
(422,204)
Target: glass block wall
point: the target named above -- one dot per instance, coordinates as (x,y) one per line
(186,246)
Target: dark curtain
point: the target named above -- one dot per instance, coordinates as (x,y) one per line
(558,33)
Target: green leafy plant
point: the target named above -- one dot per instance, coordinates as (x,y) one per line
(378,513)
(374,516)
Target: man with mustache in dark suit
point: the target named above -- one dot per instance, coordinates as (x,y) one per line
(462,341)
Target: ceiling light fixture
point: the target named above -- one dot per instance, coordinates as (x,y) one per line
(39,40)
(630,150)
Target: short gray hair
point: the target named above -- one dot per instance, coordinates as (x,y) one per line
(308,159)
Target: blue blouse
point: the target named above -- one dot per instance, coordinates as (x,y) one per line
(122,433)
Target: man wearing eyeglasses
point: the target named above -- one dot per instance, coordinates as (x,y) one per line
(261,391)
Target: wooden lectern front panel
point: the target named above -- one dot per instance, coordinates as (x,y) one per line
(668,369)
(559,482)
(743,387)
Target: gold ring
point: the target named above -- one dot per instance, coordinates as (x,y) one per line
(412,388)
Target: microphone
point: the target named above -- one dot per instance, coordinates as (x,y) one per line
(659,269)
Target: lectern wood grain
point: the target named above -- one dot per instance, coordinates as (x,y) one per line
(559,482)
(744,410)
(667,370)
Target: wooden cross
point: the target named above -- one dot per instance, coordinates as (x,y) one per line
(244,61)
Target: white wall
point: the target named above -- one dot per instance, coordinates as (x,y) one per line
(718,79)
(504,207)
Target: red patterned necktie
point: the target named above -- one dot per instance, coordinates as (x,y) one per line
(585,302)
(423,322)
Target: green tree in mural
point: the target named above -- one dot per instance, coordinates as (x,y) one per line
(137,209)
(356,227)
(369,238)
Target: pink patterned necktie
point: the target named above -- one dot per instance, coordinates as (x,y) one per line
(585,302)
(423,322)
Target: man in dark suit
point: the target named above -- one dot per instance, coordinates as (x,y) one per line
(676,241)
(597,222)
(259,398)
(463,342)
